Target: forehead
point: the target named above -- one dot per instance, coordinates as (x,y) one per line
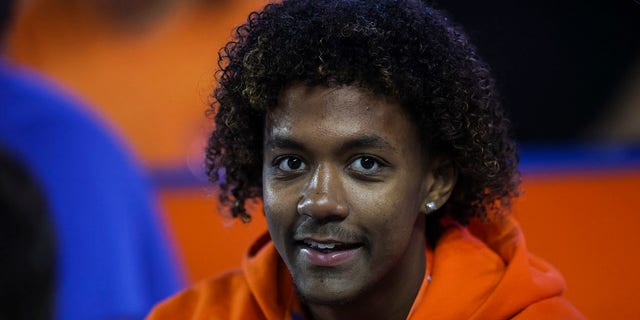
(339,113)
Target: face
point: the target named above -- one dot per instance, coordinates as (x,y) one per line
(344,179)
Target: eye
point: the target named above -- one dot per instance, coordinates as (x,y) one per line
(290,164)
(365,165)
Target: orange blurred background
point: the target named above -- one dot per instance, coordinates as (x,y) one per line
(151,82)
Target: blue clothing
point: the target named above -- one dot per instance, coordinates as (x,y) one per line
(113,256)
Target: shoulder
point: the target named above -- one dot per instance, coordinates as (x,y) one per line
(552,308)
(227,296)
(40,119)
(56,135)
(29,97)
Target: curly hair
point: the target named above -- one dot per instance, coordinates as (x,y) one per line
(402,49)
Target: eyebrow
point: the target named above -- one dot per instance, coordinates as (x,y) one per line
(284,143)
(371,141)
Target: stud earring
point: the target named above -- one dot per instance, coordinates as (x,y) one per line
(431,207)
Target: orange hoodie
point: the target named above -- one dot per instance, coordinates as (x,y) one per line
(482,271)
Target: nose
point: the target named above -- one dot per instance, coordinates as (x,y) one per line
(323,197)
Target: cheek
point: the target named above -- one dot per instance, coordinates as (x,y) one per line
(272,203)
(395,233)
(387,211)
(279,209)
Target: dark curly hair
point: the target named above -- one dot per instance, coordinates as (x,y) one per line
(402,49)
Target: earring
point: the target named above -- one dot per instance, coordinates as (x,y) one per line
(430,207)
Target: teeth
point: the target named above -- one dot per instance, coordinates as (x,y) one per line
(321,246)
(326,246)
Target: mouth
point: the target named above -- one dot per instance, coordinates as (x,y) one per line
(329,246)
(328,253)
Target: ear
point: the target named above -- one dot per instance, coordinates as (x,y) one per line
(438,184)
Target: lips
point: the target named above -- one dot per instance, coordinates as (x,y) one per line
(328,253)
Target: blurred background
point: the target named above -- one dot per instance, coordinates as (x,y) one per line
(569,74)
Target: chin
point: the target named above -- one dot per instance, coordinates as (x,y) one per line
(326,291)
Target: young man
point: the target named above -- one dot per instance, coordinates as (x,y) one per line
(373,134)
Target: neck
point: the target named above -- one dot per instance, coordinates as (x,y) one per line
(393,296)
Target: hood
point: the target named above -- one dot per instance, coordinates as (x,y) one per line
(482,271)
(269,279)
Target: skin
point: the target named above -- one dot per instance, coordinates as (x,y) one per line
(345,165)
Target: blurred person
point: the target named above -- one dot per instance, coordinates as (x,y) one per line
(113,258)
(373,133)
(119,54)
(27,245)
(125,15)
